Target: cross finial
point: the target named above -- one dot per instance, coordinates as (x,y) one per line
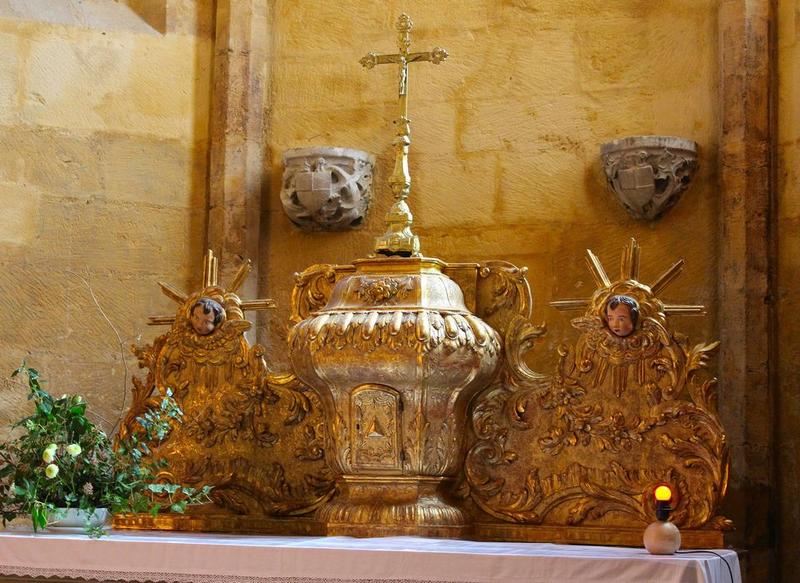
(398,238)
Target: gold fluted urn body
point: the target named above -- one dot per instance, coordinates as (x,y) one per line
(396,357)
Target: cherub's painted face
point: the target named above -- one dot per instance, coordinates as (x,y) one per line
(202,323)
(619,320)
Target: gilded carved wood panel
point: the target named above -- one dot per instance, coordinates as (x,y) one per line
(545,456)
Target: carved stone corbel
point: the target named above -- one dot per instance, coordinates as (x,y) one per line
(648,174)
(327,188)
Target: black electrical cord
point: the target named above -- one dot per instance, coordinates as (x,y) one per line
(724,560)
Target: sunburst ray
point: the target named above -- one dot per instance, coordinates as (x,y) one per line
(210,269)
(565,305)
(684,309)
(667,277)
(241,275)
(629,268)
(596,267)
(172,292)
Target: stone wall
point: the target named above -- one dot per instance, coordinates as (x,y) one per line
(103,149)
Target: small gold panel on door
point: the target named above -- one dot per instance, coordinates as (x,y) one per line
(376,412)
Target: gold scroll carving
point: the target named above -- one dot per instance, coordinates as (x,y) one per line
(585,447)
(572,456)
(255,436)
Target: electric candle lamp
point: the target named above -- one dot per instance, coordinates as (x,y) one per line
(662,537)
(663,496)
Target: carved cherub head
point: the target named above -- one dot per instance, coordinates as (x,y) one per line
(622,313)
(206,315)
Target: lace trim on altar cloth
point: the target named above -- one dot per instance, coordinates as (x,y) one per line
(151,577)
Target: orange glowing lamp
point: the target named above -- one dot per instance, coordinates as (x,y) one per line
(663,494)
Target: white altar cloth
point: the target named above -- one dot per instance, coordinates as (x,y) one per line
(200,558)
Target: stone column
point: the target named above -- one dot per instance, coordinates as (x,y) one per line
(787,420)
(237,176)
(746,310)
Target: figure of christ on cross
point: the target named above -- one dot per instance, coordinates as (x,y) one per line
(399,239)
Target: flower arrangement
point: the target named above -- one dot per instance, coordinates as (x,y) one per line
(63,460)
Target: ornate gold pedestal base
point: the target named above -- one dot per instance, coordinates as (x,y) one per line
(392,506)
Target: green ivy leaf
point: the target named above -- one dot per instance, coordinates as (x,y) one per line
(78,410)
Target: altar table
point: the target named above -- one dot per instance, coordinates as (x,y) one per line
(206,558)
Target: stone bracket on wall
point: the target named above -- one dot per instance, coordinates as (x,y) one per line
(648,174)
(327,188)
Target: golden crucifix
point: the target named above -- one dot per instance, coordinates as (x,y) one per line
(398,238)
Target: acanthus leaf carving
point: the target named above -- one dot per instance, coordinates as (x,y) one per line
(384,291)
(313,288)
(558,450)
(250,433)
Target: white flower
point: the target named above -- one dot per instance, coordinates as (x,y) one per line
(48,455)
(73,449)
(52,446)
(51,471)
